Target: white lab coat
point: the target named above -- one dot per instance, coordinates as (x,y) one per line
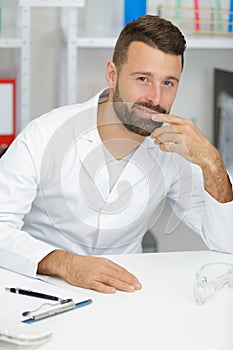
(54,193)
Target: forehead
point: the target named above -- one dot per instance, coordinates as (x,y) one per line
(143,56)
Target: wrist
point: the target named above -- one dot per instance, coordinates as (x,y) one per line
(55,263)
(216,180)
(213,163)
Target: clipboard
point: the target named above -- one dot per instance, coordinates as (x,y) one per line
(64,306)
(27,309)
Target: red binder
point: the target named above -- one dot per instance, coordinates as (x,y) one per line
(7,112)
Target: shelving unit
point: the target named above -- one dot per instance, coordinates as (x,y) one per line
(67,6)
(22,42)
(73,42)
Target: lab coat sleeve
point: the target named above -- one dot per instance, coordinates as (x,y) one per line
(218,221)
(19,251)
(211,220)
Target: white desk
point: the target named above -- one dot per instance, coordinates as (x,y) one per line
(162,316)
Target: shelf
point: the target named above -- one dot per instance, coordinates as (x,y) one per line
(86,42)
(52,3)
(16,34)
(10,43)
(207,42)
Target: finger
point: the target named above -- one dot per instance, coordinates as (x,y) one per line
(165,129)
(103,288)
(168,138)
(124,275)
(175,148)
(170,118)
(117,283)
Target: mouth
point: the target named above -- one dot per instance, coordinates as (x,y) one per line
(145,112)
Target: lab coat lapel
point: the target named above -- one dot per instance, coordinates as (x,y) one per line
(93,160)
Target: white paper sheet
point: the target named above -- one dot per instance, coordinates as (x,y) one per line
(13,305)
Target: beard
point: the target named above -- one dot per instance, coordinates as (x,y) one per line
(128,115)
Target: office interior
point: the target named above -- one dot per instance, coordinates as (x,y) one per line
(195,99)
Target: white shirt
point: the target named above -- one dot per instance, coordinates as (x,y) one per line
(54,193)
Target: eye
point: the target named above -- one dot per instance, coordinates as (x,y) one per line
(143,79)
(168,83)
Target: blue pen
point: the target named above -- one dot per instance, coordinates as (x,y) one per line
(230,25)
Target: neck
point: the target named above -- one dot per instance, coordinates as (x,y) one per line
(116,138)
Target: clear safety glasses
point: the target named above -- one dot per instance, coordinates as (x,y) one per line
(210,279)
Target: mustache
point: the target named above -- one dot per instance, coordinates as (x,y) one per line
(157,108)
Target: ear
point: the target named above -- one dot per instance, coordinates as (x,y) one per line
(111,74)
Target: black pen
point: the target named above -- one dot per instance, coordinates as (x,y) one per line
(31,293)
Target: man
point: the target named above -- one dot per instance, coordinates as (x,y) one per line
(89,179)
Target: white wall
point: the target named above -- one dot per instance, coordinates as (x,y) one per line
(194,100)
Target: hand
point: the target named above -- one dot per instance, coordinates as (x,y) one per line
(184,138)
(96,273)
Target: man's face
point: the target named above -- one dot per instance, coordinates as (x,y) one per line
(146,84)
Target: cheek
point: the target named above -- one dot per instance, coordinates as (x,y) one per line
(134,92)
(168,97)
(128,92)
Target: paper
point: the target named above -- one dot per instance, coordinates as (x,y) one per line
(13,305)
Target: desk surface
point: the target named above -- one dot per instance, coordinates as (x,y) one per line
(163,315)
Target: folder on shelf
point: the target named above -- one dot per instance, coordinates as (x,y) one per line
(7,112)
(29,309)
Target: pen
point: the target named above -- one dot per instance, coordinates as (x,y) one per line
(65,305)
(31,293)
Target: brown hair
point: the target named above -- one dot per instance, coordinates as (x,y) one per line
(154,31)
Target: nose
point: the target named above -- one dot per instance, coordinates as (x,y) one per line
(154,95)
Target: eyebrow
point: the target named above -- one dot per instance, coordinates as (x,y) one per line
(148,74)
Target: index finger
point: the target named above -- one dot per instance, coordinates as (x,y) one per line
(169,118)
